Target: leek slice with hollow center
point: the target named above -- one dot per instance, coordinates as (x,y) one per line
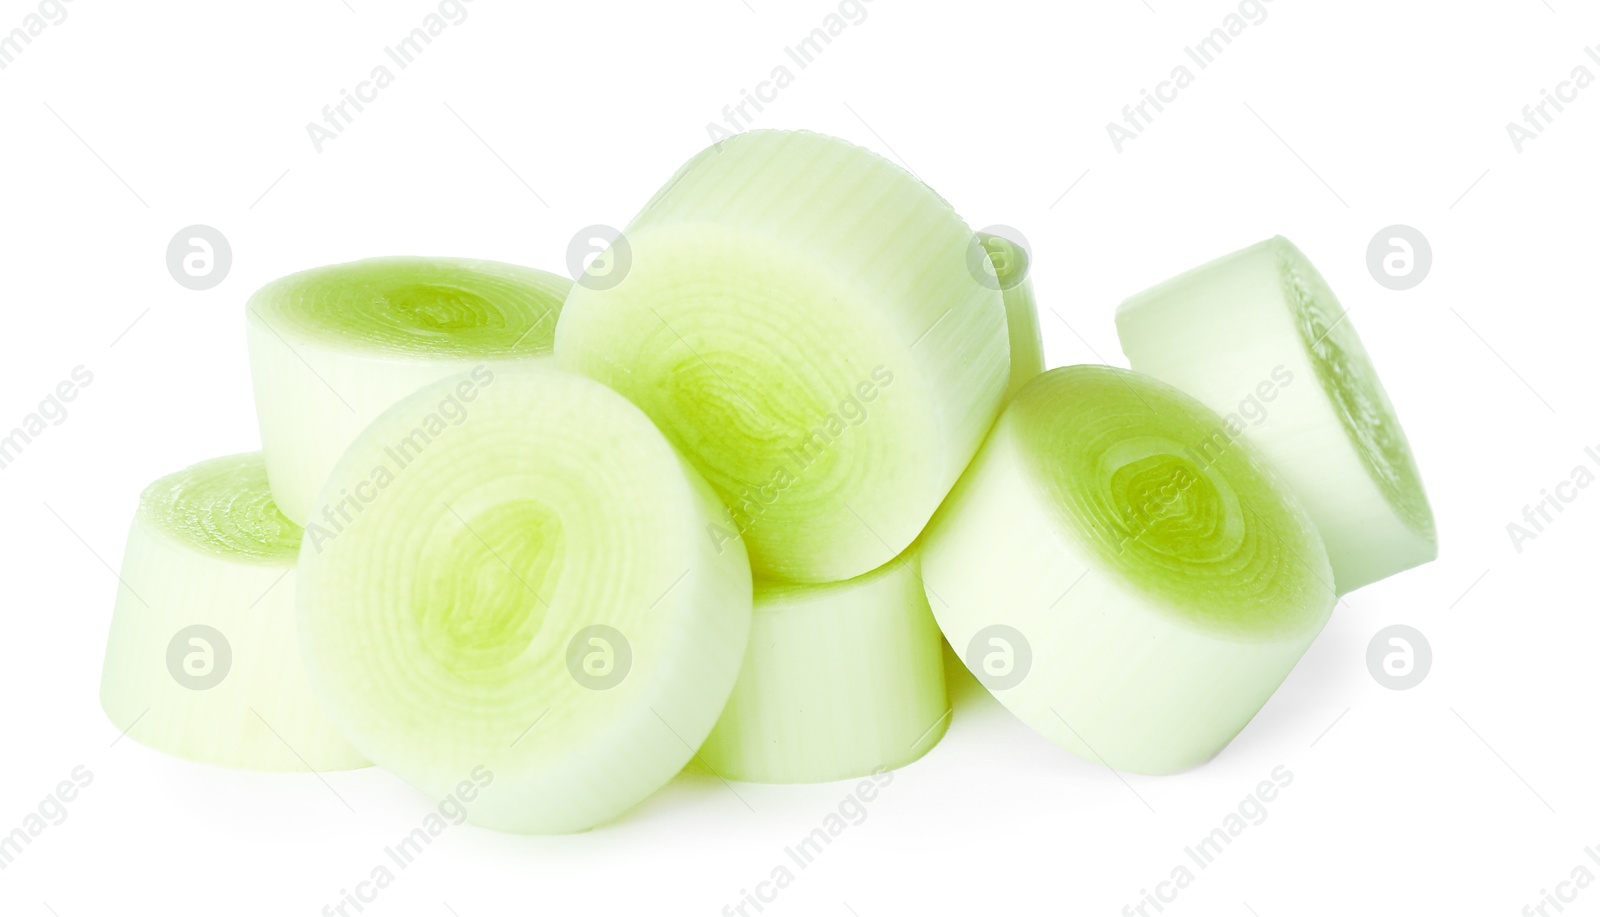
(839,680)
(332,347)
(799,317)
(1131,589)
(203,660)
(1259,337)
(517,579)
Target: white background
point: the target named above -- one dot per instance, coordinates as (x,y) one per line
(1465,795)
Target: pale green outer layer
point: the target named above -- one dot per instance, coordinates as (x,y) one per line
(465,566)
(839,680)
(799,317)
(207,547)
(1258,336)
(1012,271)
(331,348)
(1162,581)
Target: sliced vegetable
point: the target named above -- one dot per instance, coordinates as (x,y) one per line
(1011,268)
(1128,590)
(839,680)
(203,661)
(527,590)
(1259,337)
(332,347)
(798,316)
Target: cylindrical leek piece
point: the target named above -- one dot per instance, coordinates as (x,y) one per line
(516,590)
(332,347)
(805,321)
(839,680)
(1127,587)
(203,661)
(1259,338)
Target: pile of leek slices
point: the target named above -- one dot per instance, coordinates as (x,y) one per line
(721,502)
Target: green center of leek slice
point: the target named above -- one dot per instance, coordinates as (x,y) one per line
(481,597)
(426,306)
(757,377)
(1149,481)
(223,506)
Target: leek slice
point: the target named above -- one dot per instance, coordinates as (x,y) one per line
(1259,337)
(526,589)
(203,661)
(332,347)
(1011,269)
(1127,589)
(839,680)
(800,320)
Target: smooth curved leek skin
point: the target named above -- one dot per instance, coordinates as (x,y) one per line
(516,584)
(839,680)
(332,347)
(203,661)
(1011,267)
(1130,586)
(1259,337)
(799,318)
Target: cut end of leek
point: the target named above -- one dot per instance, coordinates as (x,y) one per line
(529,591)
(425,307)
(1129,585)
(800,320)
(1011,270)
(331,348)
(839,680)
(1259,337)
(203,661)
